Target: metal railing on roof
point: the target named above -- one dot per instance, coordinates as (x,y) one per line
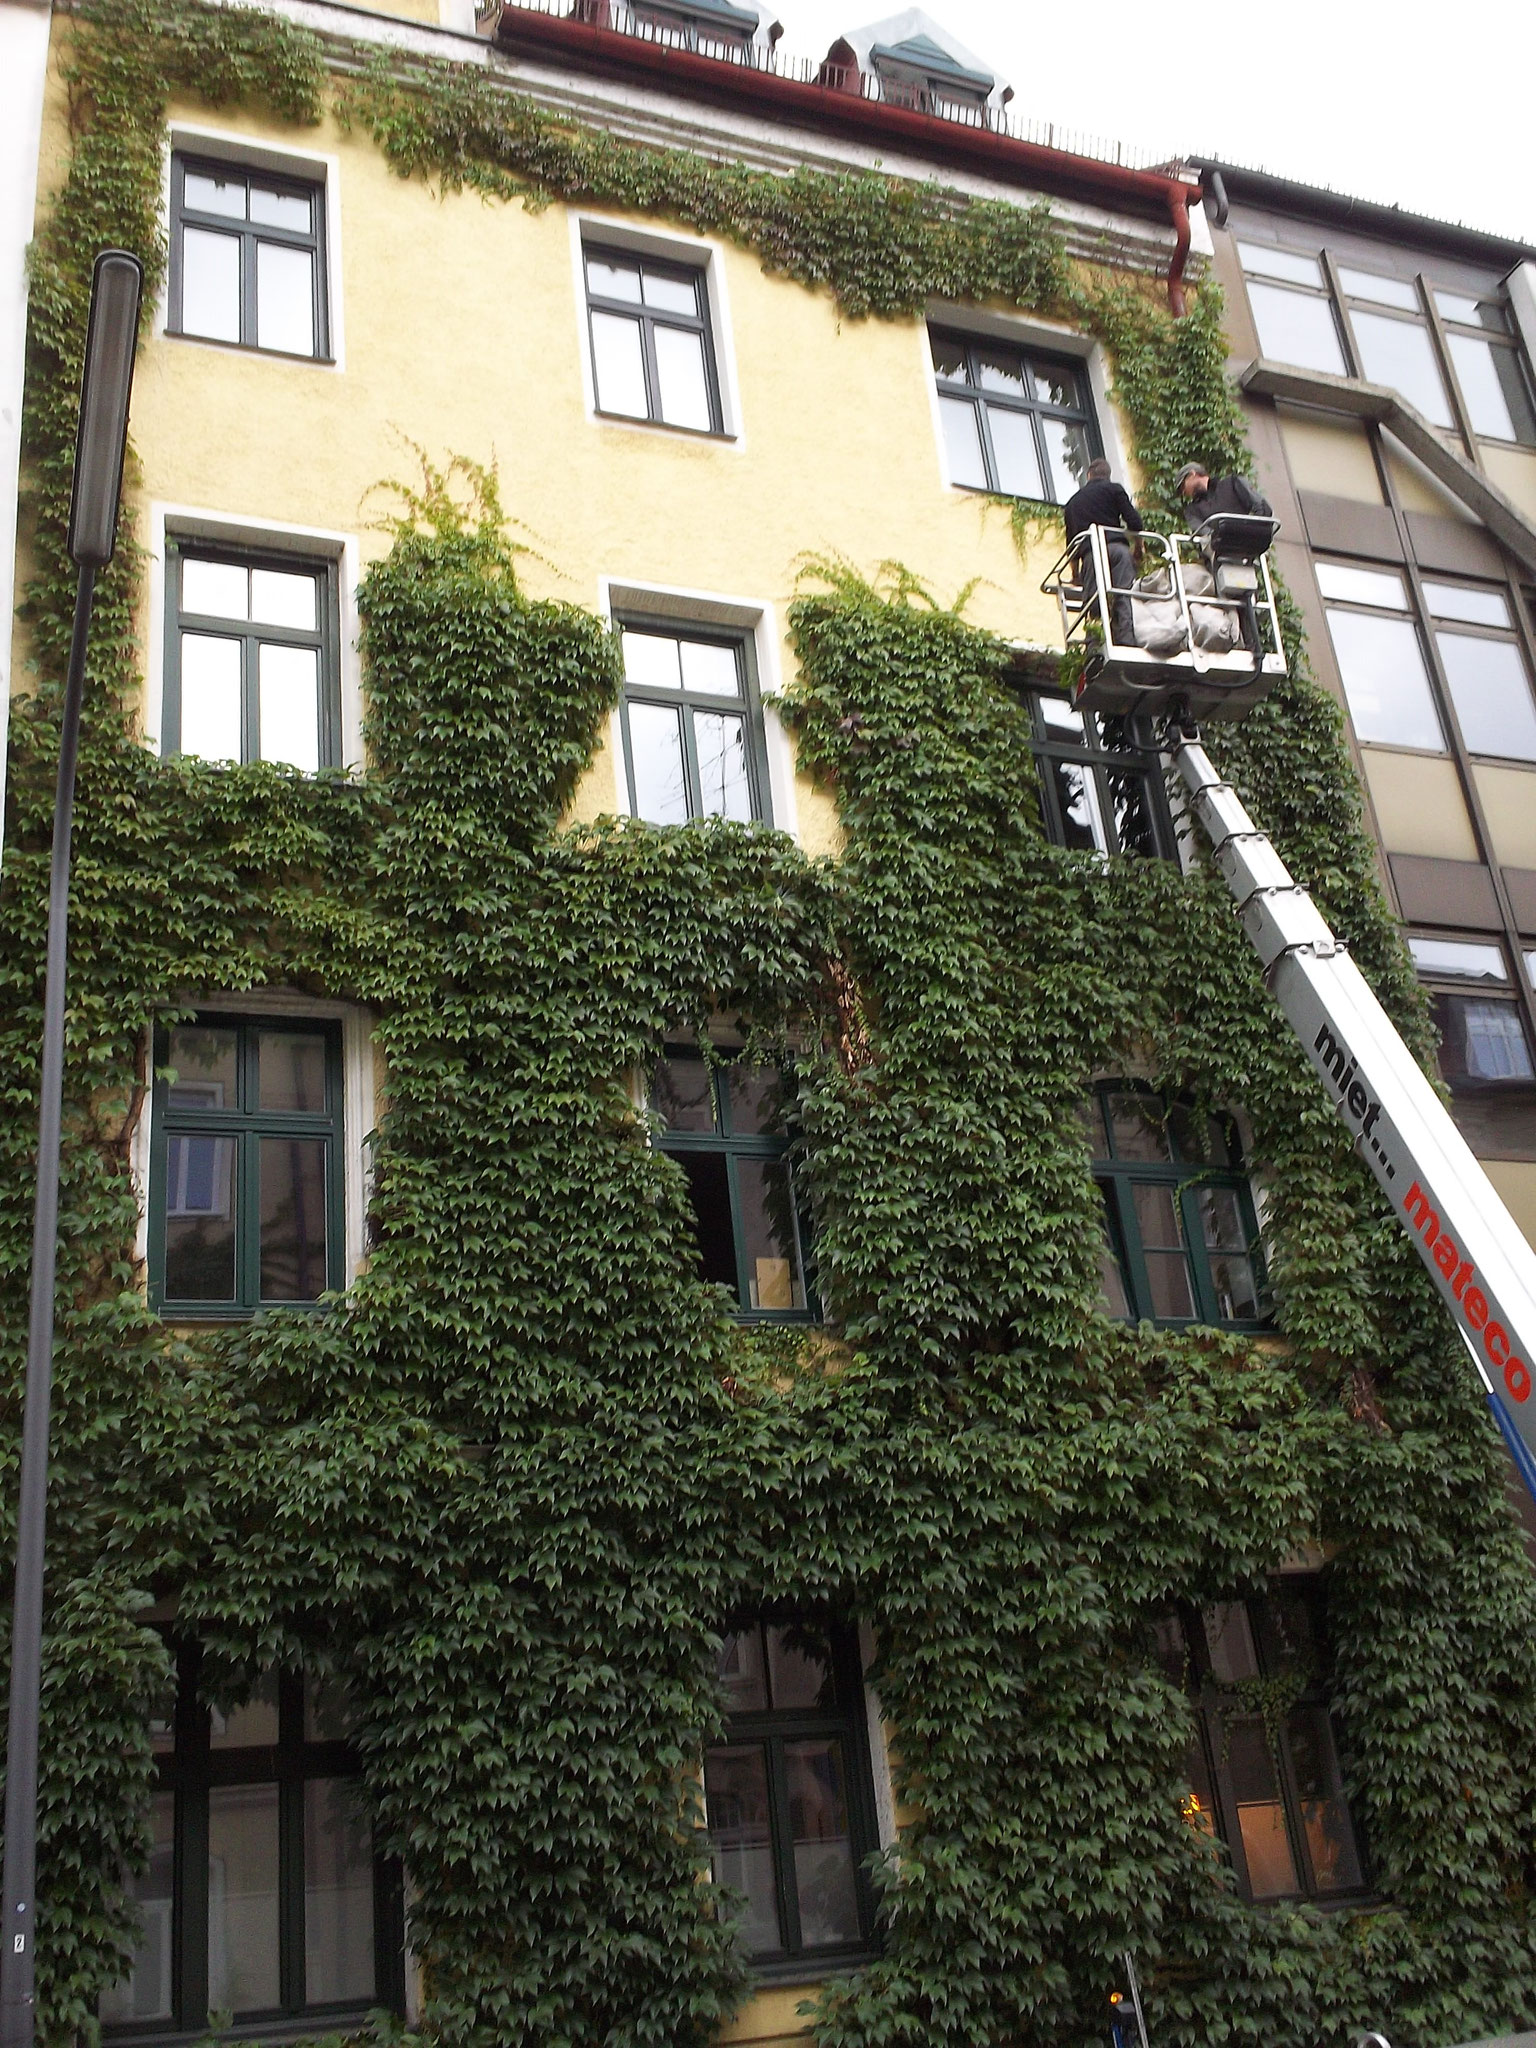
(674,29)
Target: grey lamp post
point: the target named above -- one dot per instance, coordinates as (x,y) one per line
(116,285)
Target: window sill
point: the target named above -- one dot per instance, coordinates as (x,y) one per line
(789,1971)
(324,2020)
(248,348)
(629,419)
(180,1316)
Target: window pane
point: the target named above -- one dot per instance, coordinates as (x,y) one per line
(818,1821)
(145,1993)
(948,357)
(669,294)
(1054,385)
(651,660)
(712,670)
(199,1218)
(338,1895)
(1458,958)
(1381,587)
(681,1094)
(800,1667)
(283,597)
(1262,261)
(1324,1815)
(1059,716)
(1231,1269)
(1491,694)
(611,279)
(1483,1039)
(330,1710)
(1296,328)
(755,1096)
(1229,1642)
(1068,454)
(742,1673)
(682,377)
(1114,1298)
(205,194)
(1399,353)
(1136,1126)
(242,1898)
(736,1796)
(251,1725)
(1260,1815)
(1493,387)
(1385,680)
(709,1193)
(1160,1228)
(290,1067)
(210,697)
(293,1233)
(1013,444)
(1132,811)
(1477,607)
(216,590)
(1386,291)
(207,1075)
(285,298)
(656,754)
(289,705)
(618,366)
(1472,312)
(210,284)
(720,741)
(774,1280)
(275,209)
(1077,800)
(962,443)
(1000,369)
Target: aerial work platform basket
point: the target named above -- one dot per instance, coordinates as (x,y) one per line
(1195,635)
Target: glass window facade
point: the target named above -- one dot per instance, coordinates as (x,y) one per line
(726,1125)
(1017,424)
(787,1793)
(247,258)
(1485,1052)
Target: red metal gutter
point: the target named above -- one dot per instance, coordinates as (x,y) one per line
(1150,194)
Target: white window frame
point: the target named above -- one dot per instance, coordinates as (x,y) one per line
(694,252)
(1045,336)
(273,537)
(240,152)
(358,1109)
(754,619)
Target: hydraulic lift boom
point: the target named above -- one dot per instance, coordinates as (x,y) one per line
(1479,1260)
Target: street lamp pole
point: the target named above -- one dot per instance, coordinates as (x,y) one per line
(116,285)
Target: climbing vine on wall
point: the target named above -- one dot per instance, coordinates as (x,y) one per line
(511,1484)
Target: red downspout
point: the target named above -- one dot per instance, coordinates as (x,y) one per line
(1178,206)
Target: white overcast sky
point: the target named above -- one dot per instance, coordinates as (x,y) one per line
(1431,108)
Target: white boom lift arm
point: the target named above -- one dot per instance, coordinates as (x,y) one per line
(1477,1257)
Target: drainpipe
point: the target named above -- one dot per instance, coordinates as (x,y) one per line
(1178,207)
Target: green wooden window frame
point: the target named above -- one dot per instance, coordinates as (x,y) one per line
(251,235)
(1263,1766)
(1102,787)
(692,703)
(189,1769)
(972,388)
(244,1125)
(1197,1190)
(737,1150)
(252,636)
(648,319)
(769,1730)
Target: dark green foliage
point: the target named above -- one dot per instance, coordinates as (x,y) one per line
(512,1483)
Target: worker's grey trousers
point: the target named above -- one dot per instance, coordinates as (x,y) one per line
(1122,575)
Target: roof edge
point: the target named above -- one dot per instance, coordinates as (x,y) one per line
(1366,216)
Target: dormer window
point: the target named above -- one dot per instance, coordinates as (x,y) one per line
(710,26)
(917,73)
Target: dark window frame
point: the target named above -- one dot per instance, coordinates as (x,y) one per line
(1111,746)
(191,1770)
(1084,414)
(1487,1110)
(1116,1178)
(723,1143)
(748,705)
(1213,1701)
(326,640)
(649,319)
(846,1721)
(247,1125)
(250,233)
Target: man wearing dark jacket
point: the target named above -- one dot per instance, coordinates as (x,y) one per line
(1106,504)
(1203,499)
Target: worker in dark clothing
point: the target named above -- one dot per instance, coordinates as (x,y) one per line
(1103,503)
(1203,499)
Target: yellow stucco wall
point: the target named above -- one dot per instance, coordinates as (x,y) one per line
(463,331)
(770,2020)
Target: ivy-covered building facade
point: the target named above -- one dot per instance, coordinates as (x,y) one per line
(720,1377)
